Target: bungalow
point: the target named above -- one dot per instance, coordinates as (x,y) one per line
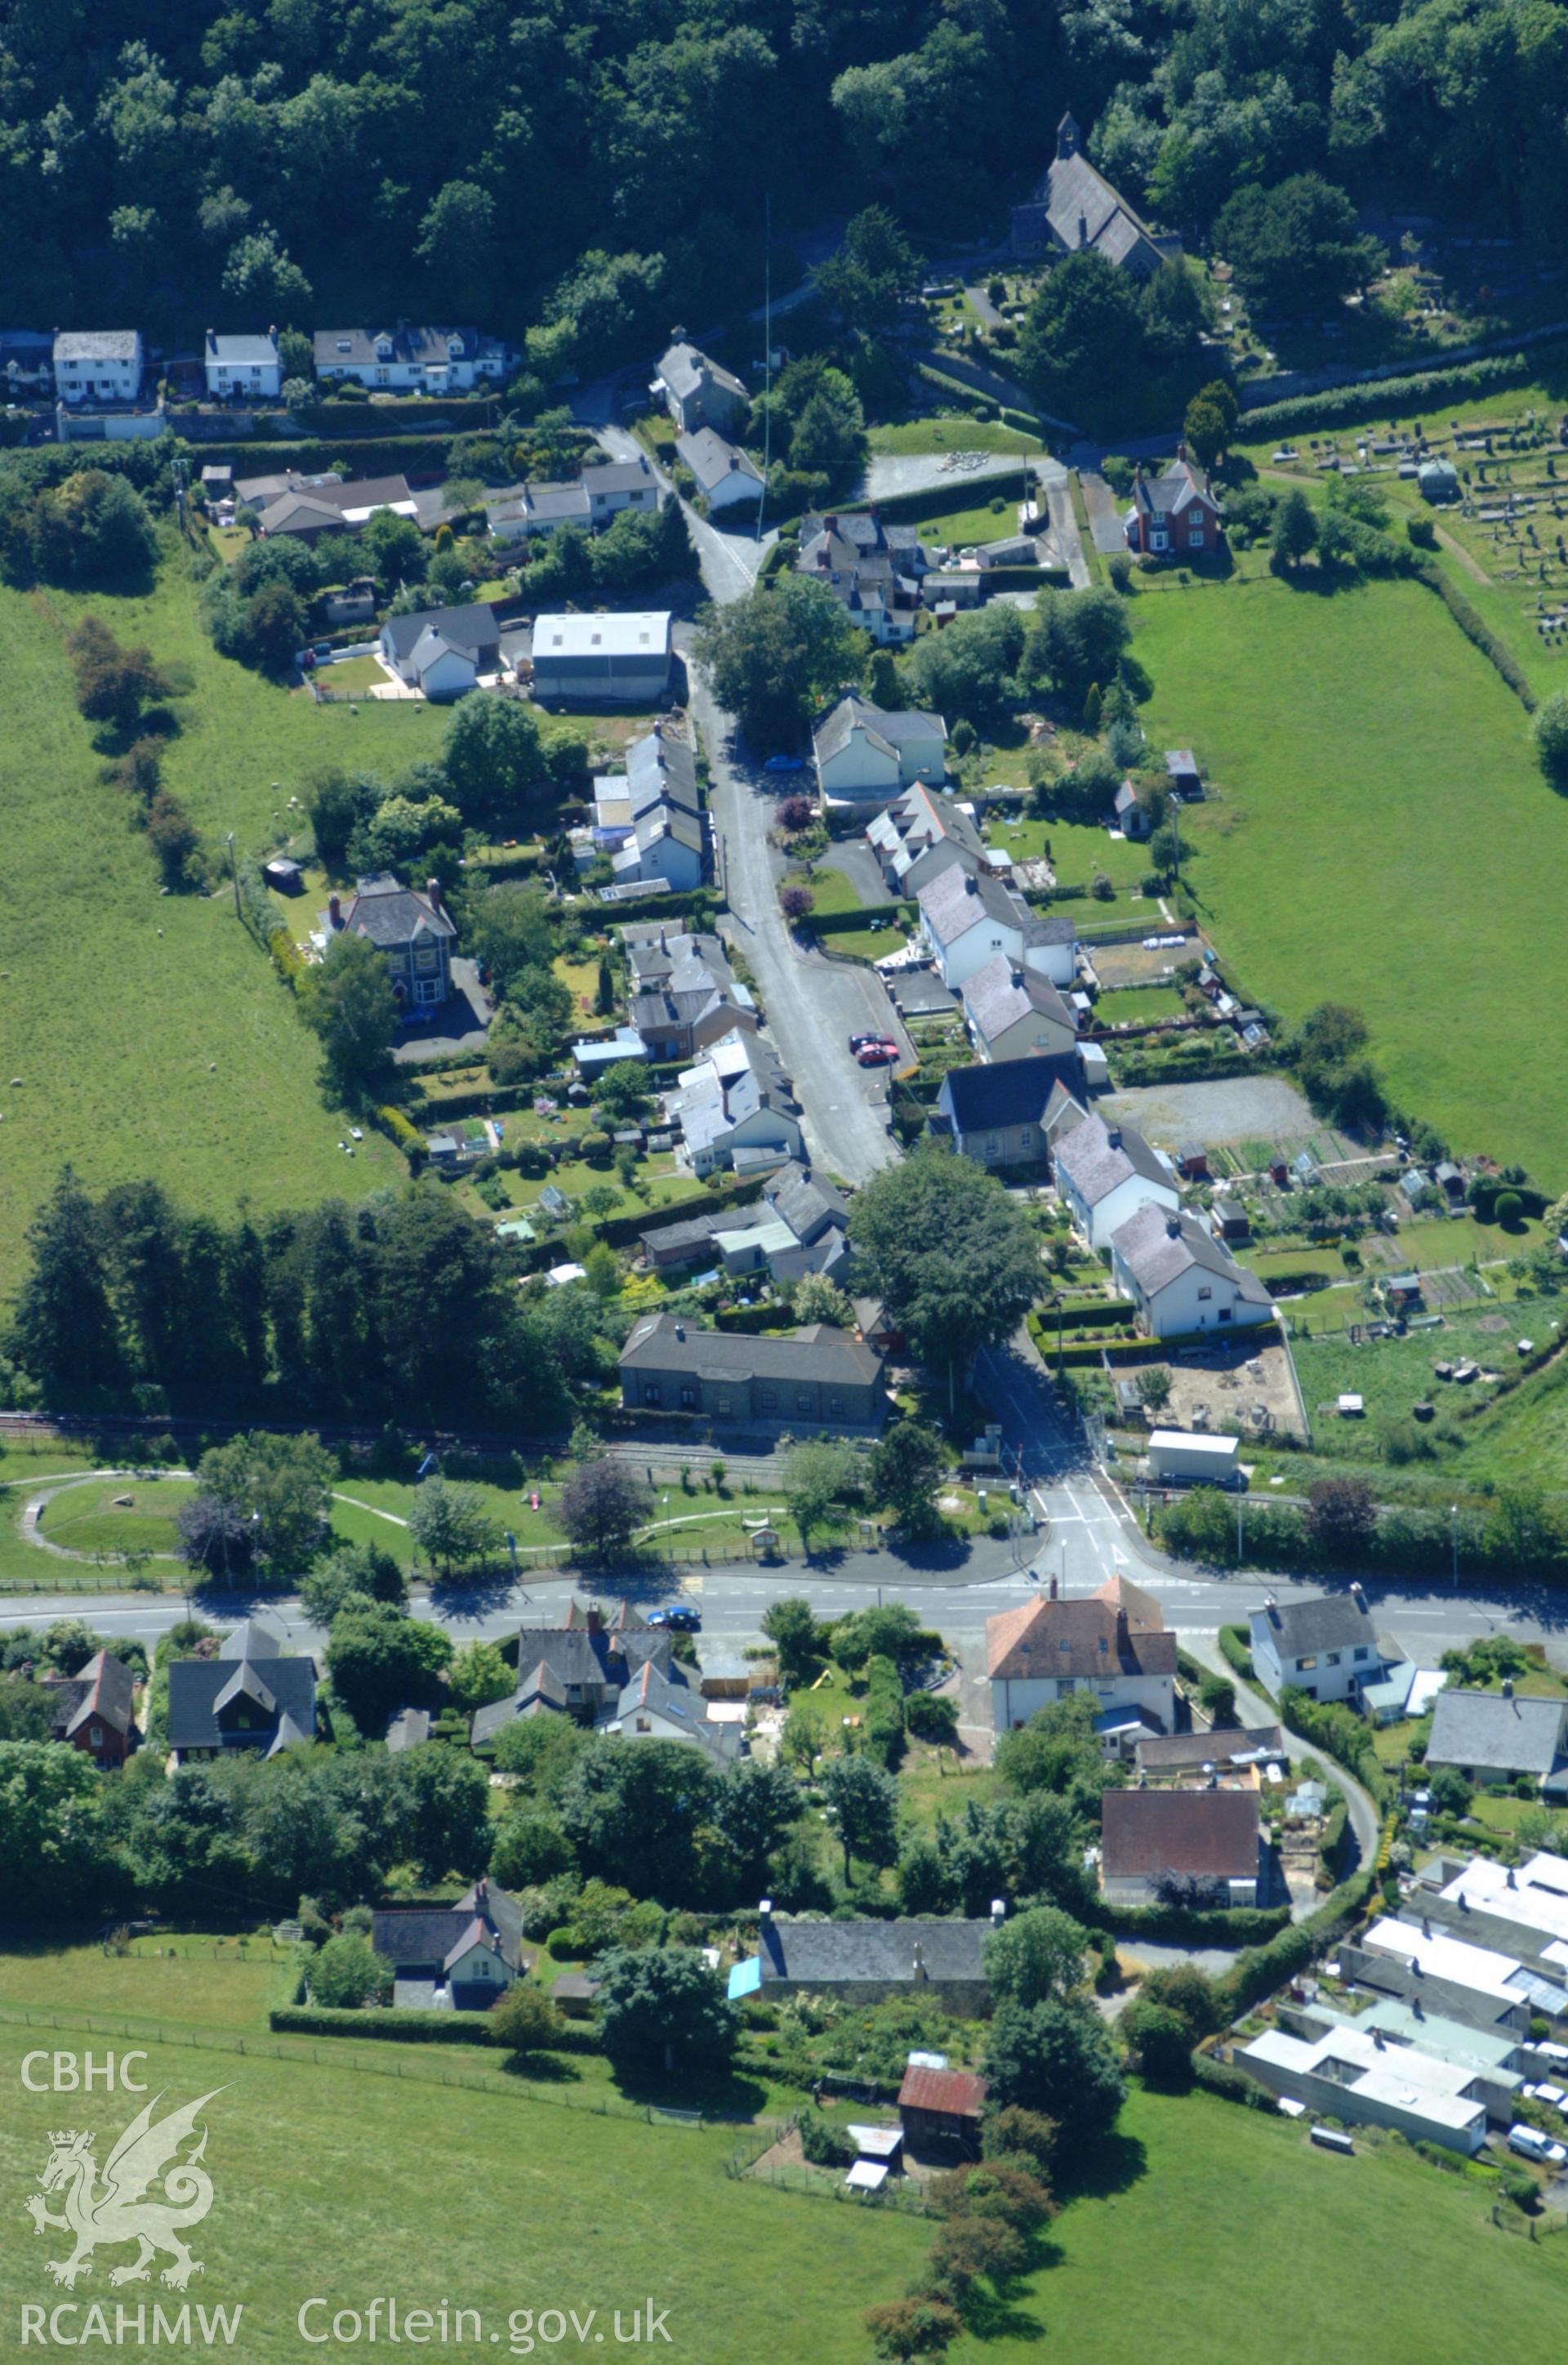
(472,629)
(1501,1737)
(698,392)
(1015,1013)
(1111,1644)
(721,472)
(603,659)
(538,510)
(1106,1173)
(612,485)
(248,1698)
(1191,1757)
(243,365)
(457,1956)
(940,2108)
(414,932)
(410,360)
(1328,1646)
(1199,1844)
(819,1378)
(94,1709)
(737,1098)
(1074,208)
(919,834)
(303,516)
(1012,1113)
(867,753)
(865,1962)
(967,920)
(1174,515)
(1180,1278)
(662,1705)
(97,365)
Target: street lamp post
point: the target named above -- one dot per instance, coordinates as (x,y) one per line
(1060,1304)
(1453,1539)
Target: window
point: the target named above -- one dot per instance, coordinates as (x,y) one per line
(1158,540)
(1333,1658)
(1195,517)
(1360,1651)
(724,1404)
(1195,539)
(767,1400)
(689,1399)
(835,1407)
(802,1401)
(1205,1293)
(994,1145)
(1303,1664)
(95,1737)
(652,1392)
(1225,1313)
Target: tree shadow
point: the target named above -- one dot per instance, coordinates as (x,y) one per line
(1111,2165)
(726,2095)
(543,2069)
(472,1597)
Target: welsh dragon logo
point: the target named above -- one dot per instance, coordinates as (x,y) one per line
(110,2208)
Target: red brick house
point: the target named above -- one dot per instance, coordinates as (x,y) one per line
(93,1710)
(1175,516)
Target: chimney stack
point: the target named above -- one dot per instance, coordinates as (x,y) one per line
(765,1913)
(972,884)
(1113,1136)
(595,1619)
(1121,1629)
(432,889)
(997,1911)
(921,1973)
(1053,1588)
(335,910)
(1017,975)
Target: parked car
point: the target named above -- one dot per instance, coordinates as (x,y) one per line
(679,1618)
(785,764)
(859,1042)
(877,1054)
(1530,2144)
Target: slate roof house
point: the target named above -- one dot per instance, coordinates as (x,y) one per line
(94,1709)
(1112,1645)
(472,629)
(612,485)
(1328,1646)
(872,1962)
(97,365)
(1106,1173)
(410,360)
(1180,1278)
(415,932)
(1205,1840)
(696,1002)
(1497,1736)
(1075,207)
(865,754)
(457,1956)
(243,365)
(874,571)
(819,1378)
(798,1225)
(661,1704)
(1012,1112)
(967,919)
(248,1698)
(919,834)
(1015,1013)
(1175,515)
(721,472)
(537,510)
(698,392)
(576,1668)
(737,1098)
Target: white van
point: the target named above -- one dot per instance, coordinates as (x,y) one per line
(1530,2144)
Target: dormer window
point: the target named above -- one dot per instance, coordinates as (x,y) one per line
(383,349)
(454,346)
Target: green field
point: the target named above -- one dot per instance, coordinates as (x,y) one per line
(534,2195)
(117,1515)
(147,1031)
(1379,835)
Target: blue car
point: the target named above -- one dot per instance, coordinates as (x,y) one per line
(680,1618)
(785,764)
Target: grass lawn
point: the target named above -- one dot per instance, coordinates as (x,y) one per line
(1139,1003)
(354,673)
(929,1789)
(581,979)
(831,891)
(1077,851)
(319,2190)
(375,1512)
(1322,884)
(97,1518)
(989,513)
(148,1030)
(914,437)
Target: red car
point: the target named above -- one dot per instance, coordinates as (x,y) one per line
(877,1054)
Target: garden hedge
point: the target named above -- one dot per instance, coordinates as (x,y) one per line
(1492,372)
(1262,1970)
(419,2028)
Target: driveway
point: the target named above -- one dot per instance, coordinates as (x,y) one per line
(854,860)
(1065,534)
(813,1005)
(730,559)
(460,1025)
(1105,526)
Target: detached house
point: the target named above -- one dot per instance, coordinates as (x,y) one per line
(867,754)
(612,485)
(967,919)
(1074,208)
(650,819)
(1203,1844)
(737,1098)
(1111,1645)
(406,360)
(1500,1736)
(1012,1113)
(1180,1278)
(874,571)
(821,1377)
(414,932)
(578,1668)
(1015,1013)
(458,1957)
(691,998)
(721,472)
(921,834)
(250,1698)
(94,1709)
(407,646)
(1175,516)
(1106,1173)
(698,392)
(1328,1647)
(867,1962)
(247,366)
